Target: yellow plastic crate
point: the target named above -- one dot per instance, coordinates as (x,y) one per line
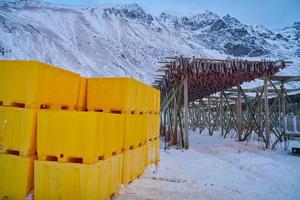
(152,99)
(141,125)
(141,99)
(64,181)
(149,99)
(81,101)
(148,127)
(143,160)
(122,95)
(16,176)
(85,137)
(113,131)
(134,163)
(135,130)
(129,172)
(157,101)
(153,126)
(34,84)
(157,154)
(116,173)
(111,94)
(156,124)
(18,130)
(151,147)
(66,136)
(130,138)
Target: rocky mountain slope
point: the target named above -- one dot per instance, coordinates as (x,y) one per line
(124,40)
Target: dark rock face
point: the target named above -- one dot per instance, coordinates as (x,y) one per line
(137,12)
(6,25)
(231,21)
(3,50)
(190,23)
(133,11)
(237,49)
(242,49)
(258,52)
(235,41)
(218,25)
(226,35)
(298,53)
(297,36)
(297,26)
(278,36)
(239,32)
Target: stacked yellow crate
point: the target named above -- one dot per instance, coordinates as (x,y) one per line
(26,87)
(81,155)
(32,84)
(139,105)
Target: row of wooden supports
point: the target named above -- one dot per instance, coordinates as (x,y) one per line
(232,112)
(174,117)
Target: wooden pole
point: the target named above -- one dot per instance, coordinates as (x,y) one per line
(186,111)
(222,114)
(267,122)
(209,119)
(283,115)
(175,139)
(283,101)
(164,128)
(239,113)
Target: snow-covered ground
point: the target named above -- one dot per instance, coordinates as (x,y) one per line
(217,168)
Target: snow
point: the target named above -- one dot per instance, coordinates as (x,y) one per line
(125,40)
(217,168)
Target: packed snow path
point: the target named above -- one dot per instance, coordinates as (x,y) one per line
(217,168)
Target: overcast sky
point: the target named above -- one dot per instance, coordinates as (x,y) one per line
(271,13)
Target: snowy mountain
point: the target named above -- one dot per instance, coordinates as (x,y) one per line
(124,40)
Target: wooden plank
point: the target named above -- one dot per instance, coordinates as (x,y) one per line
(186,111)
(239,114)
(267,120)
(222,114)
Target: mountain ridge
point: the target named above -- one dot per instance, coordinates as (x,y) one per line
(125,40)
